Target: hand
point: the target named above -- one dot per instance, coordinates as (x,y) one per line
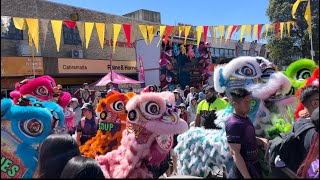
(304,113)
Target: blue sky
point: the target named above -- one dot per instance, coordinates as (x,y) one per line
(205,12)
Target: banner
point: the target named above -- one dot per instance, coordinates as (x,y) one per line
(255,30)
(205,32)
(181,28)
(267,29)
(168,31)
(101,27)
(127,32)
(44,29)
(88,30)
(70,24)
(234,27)
(242,32)
(248,31)
(281,29)
(80,26)
(259,31)
(21,66)
(228,33)
(307,16)
(221,30)
(57,28)
(295,6)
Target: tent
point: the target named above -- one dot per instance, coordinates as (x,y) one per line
(116,79)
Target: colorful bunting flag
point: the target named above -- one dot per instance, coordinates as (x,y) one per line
(221,30)
(162,30)
(228,33)
(56,29)
(255,30)
(248,31)
(211,33)
(242,32)
(267,29)
(88,30)
(116,31)
(19,23)
(281,29)
(186,33)
(127,32)
(259,31)
(199,32)
(288,27)
(80,26)
(151,31)
(205,32)
(143,30)
(44,29)
(33,28)
(307,16)
(295,6)
(181,28)
(101,28)
(277,29)
(234,27)
(168,31)
(70,24)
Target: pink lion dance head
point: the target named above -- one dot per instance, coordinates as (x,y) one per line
(42,88)
(152,121)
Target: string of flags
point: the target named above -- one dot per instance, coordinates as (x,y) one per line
(85,29)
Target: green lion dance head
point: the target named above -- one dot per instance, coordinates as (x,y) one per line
(299,71)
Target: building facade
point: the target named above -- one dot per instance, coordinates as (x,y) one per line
(73,65)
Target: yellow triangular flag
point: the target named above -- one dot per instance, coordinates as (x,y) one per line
(181,28)
(19,23)
(267,29)
(255,30)
(186,33)
(295,6)
(162,29)
(56,29)
(307,16)
(33,25)
(248,31)
(143,30)
(88,30)
(101,27)
(151,31)
(242,32)
(116,31)
(199,32)
(288,27)
(221,29)
(228,33)
(80,26)
(281,29)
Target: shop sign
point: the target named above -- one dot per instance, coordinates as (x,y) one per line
(21,66)
(86,66)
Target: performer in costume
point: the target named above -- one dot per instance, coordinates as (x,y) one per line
(313,80)
(151,122)
(23,127)
(200,150)
(111,111)
(85,95)
(299,71)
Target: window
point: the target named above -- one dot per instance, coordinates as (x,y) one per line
(221,54)
(245,52)
(256,53)
(71,36)
(216,52)
(230,53)
(10,32)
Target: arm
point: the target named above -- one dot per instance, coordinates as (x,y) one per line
(198,120)
(263,142)
(238,160)
(78,135)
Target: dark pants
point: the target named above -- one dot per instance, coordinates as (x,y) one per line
(253,168)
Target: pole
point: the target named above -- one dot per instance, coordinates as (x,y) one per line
(111,65)
(312,52)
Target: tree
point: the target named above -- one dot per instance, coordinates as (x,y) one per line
(289,48)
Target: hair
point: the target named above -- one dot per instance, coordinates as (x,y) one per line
(210,88)
(82,167)
(307,92)
(314,148)
(239,93)
(55,151)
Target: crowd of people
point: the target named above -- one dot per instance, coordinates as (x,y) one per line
(59,155)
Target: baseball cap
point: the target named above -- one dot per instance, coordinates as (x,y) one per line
(176,91)
(182,105)
(74,100)
(87,106)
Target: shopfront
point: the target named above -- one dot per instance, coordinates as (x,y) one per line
(72,73)
(15,69)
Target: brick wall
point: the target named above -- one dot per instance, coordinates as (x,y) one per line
(48,10)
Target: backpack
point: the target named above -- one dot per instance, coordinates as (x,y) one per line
(286,145)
